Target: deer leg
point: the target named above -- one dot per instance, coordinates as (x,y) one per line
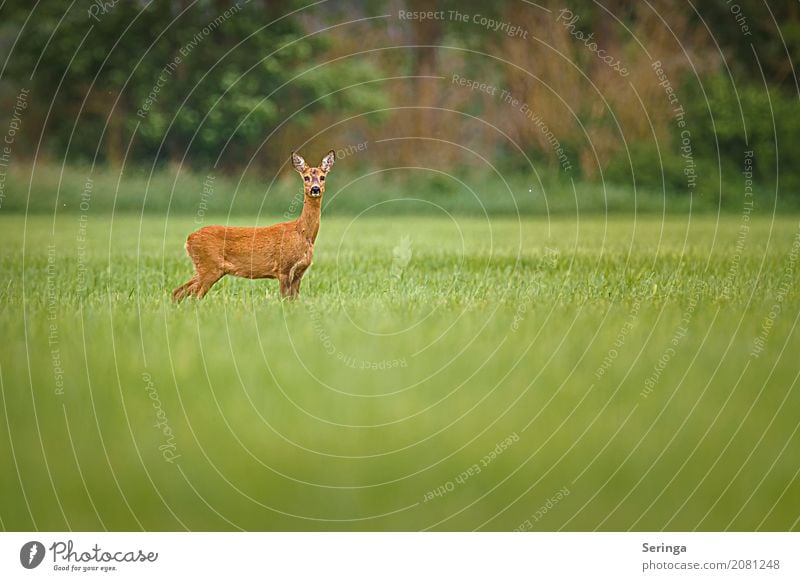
(185,289)
(296,275)
(294,287)
(286,286)
(205,282)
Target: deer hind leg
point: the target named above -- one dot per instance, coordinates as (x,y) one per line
(205,282)
(199,284)
(207,269)
(184,290)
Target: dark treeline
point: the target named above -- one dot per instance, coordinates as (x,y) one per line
(688,95)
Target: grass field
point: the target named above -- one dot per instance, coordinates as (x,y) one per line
(46,187)
(443,373)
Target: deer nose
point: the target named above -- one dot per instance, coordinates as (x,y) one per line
(315,190)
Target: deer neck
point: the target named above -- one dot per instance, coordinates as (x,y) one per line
(308,223)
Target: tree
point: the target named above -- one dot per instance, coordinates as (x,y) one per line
(167,76)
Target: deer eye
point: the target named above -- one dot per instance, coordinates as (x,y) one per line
(307,178)
(322,178)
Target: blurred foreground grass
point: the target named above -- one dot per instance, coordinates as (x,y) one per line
(436,373)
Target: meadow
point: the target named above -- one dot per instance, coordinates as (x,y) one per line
(441,372)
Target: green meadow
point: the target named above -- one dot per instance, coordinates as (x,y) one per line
(442,372)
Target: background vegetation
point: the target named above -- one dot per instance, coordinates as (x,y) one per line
(256,80)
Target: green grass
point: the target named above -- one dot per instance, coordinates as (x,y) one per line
(46,187)
(417,346)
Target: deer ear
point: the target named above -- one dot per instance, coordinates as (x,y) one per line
(327,161)
(298,162)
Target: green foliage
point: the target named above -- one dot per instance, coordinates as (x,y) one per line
(724,123)
(760,41)
(232,86)
(207,83)
(728,120)
(650,168)
(181,192)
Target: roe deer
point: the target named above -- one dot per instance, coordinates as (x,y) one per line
(281,251)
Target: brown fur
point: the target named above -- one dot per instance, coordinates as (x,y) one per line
(283,251)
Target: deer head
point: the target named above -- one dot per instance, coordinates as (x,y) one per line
(313,177)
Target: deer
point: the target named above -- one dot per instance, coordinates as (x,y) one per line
(283,251)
